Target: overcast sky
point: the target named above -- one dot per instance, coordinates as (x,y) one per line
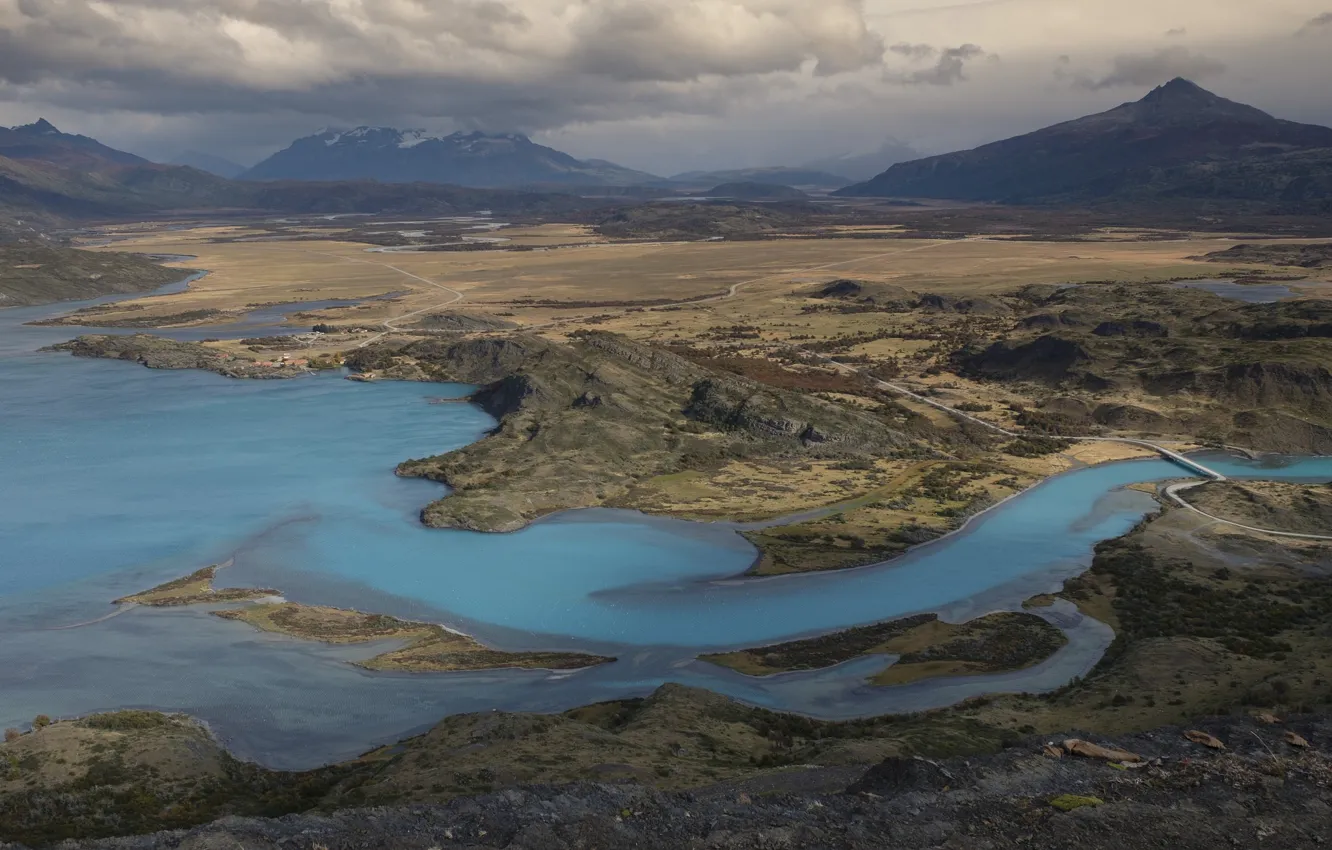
(662,85)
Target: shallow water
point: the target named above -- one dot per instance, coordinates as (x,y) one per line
(117,478)
(1250,293)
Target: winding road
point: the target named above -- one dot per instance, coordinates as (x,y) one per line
(390,325)
(1172,492)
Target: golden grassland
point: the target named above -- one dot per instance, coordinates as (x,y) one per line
(195,589)
(429,648)
(276,271)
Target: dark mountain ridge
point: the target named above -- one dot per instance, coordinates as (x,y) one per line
(49,176)
(482,160)
(1153,146)
(40,142)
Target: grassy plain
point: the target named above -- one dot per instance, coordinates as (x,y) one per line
(278,271)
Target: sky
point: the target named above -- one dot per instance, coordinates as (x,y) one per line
(661,85)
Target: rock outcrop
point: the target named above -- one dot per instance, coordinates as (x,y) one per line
(157,352)
(588,419)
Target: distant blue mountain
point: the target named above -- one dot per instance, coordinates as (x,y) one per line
(482,160)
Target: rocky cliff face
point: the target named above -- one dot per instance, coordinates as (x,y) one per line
(1180,794)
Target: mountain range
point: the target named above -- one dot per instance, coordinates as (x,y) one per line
(482,160)
(47,176)
(1178,141)
(1180,144)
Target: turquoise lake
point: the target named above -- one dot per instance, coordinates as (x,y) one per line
(114,478)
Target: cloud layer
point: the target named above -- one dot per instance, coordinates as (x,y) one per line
(524,65)
(1141,70)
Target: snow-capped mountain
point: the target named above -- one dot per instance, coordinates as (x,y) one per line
(485,160)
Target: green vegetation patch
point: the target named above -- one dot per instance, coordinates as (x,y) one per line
(1069,802)
(926,646)
(1158,598)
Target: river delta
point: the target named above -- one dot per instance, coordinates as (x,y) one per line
(120,478)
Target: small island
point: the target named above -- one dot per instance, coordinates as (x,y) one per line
(430,648)
(928,648)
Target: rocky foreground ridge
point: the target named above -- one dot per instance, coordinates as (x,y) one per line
(1269,785)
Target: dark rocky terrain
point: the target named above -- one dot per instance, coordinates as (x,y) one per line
(159,353)
(1257,792)
(1246,374)
(688,221)
(1178,141)
(751,191)
(588,419)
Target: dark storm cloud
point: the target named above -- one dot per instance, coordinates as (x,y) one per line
(949,69)
(514,65)
(1147,69)
(914,52)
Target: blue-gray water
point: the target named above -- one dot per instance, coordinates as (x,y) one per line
(116,478)
(1250,293)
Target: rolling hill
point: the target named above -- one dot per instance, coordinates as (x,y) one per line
(1178,141)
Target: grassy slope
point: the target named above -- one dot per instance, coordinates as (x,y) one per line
(31,273)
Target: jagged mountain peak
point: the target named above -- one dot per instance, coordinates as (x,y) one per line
(1180,90)
(1182,99)
(40,127)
